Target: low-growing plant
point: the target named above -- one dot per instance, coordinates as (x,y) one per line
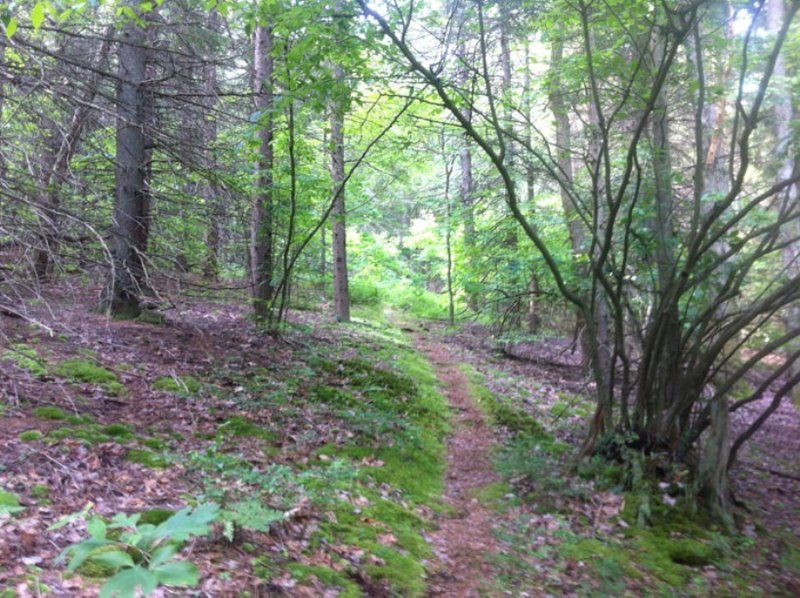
(139,556)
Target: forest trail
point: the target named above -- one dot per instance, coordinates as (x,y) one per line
(464,542)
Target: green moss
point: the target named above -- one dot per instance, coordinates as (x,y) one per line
(183,385)
(81,370)
(153,443)
(50,412)
(147,458)
(331,395)
(240,426)
(118,431)
(149,316)
(491,494)
(40,491)
(89,434)
(9,503)
(31,435)
(399,564)
(328,577)
(27,359)
(155,516)
(500,410)
(77,420)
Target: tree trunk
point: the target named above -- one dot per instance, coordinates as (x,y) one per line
(262,226)
(130,207)
(339,245)
(215,209)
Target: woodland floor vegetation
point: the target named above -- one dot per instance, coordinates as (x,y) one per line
(324,449)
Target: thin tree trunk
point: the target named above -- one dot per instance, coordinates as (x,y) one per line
(339,245)
(262,225)
(210,190)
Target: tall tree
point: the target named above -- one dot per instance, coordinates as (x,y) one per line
(341,288)
(131,206)
(262,226)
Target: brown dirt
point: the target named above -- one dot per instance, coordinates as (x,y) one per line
(464,542)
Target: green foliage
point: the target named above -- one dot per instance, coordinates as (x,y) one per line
(140,556)
(363,292)
(183,385)
(9,503)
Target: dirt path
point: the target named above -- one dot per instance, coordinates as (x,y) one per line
(464,542)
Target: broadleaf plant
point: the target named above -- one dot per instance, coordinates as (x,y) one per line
(141,556)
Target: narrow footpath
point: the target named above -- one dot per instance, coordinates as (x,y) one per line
(463,543)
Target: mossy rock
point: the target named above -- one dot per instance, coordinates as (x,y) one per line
(81,370)
(147,458)
(49,412)
(31,435)
(183,385)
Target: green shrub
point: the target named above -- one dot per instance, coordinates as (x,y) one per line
(363,292)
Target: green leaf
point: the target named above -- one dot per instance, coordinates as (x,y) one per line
(11,27)
(117,559)
(186,522)
(80,552)
(162,554)
(179,573)
(124,583)
(96,528)
(37,15)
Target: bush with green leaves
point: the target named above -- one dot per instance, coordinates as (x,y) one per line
(139,556)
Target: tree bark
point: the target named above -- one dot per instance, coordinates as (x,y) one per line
(131,199)
(262,225)
(341,289)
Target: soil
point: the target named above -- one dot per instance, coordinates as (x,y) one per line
(464,541)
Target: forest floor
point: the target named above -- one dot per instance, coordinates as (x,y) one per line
(345,461)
